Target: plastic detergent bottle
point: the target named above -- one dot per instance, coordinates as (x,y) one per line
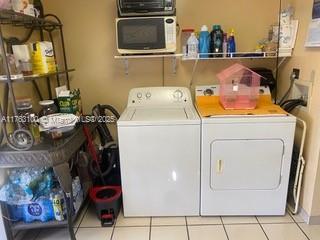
(232,42)
(225,45)
(193,46)
(217,40)
(204,42)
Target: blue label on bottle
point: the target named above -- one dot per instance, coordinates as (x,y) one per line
(34,209)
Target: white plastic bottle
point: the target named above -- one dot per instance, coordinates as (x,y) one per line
(193,46)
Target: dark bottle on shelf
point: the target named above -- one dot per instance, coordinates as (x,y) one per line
(217,41)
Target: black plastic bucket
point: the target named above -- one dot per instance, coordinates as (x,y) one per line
(108,203)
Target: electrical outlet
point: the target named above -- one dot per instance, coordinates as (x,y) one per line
(296,73)
(302,90)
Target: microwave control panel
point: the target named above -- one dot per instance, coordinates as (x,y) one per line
(171,31)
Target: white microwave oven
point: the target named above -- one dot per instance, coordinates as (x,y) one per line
(146,35)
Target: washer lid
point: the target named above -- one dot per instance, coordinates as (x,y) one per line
(159,116)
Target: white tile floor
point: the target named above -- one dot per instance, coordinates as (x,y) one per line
(185,228)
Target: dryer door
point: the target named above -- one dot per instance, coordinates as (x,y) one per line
(246,164)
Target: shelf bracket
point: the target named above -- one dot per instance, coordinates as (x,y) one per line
(174,65)
(279,64)
(126,66)
(196,61)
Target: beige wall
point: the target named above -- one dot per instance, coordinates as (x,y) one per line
(307,60)
(90,39)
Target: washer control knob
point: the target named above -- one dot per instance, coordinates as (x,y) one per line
(148,95)
(178,94)
(139,95)
(208,92)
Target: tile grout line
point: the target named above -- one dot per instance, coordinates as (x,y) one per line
(225,230)
(114,227)
(86,211)
(187,228)
(299,226)
(262,228)
(150,228)
(170,225)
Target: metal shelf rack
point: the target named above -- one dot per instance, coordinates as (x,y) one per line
(17,149)
(35,77)
(10,17)
(49,153)
(22,139)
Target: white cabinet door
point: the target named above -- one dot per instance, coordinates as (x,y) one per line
(246,164)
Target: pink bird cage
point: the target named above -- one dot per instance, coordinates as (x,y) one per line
(239,87)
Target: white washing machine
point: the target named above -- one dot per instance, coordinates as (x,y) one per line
(245,156)
(159,135)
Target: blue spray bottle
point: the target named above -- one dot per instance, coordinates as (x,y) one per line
(232,42)
(204,42)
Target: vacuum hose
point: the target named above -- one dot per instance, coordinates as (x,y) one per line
(109,153)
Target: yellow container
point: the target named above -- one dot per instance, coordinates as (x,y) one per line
(43,58)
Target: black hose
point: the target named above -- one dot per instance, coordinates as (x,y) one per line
(98,111)
(108,155)
(111,109)
(294,106)
(290,101)
(110,148)
(291,104)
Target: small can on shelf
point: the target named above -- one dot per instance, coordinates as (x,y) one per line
(47,108)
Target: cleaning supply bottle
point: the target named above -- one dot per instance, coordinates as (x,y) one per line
(225,45)
(204,42)
(193,46)
(34,128)
(217,41)
(231,42)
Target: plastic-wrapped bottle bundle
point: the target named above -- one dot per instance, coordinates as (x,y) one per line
(26,184)
(40,210)
(27,194)
(77,194)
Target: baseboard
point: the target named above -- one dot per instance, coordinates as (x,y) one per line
(314,220)
(311,220)
(304,215)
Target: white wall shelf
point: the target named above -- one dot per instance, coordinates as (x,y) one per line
(233,56)
(209,57)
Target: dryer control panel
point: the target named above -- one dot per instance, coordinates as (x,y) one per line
(214,90)
(159,96)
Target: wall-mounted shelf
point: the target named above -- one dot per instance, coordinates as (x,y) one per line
(126,58)
(208,57)
(232,56)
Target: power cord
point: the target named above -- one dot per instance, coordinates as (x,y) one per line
(286,95)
